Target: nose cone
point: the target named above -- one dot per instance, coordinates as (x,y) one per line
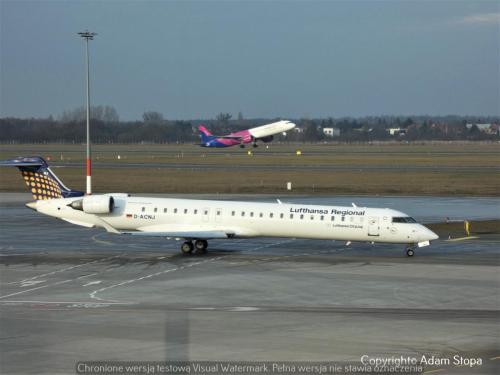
(428,235)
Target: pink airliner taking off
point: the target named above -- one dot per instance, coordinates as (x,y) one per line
(264,133)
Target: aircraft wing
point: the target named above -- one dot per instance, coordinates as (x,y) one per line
(235,137)
(201,235)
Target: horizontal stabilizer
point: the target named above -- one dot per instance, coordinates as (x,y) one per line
(24,162)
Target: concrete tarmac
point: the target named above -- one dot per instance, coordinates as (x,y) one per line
(70,294)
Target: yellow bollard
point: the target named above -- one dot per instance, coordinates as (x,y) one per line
(299,152)
(250,153)
(467,227)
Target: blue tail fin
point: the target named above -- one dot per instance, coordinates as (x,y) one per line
(41,181)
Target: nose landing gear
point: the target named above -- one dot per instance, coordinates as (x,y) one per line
(410,251)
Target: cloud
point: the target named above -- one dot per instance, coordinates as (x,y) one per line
(480,19)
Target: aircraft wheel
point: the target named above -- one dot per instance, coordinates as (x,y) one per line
(255,145)
(242,146)
(201,246)
(409,252)
(187,247)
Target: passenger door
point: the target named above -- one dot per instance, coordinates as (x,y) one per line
(205,215)
(218,215)
(373,226)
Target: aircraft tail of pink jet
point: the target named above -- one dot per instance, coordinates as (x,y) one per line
(204,130)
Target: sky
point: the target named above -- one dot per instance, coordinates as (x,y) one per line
(265,59)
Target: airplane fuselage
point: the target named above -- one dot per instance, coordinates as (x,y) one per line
(245,219)
(264,132)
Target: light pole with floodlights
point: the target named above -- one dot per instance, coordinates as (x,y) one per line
(88,36)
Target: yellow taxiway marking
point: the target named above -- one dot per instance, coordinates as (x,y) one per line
(462,238)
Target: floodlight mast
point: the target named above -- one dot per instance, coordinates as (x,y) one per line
(88,36)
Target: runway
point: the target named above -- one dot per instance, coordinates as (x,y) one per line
(71,294)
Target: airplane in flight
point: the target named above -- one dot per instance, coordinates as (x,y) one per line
(197,221)
(264,133)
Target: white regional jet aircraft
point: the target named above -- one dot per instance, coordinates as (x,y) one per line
(201,220)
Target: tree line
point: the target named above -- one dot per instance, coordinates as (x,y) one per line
(106,127)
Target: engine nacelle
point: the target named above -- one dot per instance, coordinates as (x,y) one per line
(267,139)
(95,204)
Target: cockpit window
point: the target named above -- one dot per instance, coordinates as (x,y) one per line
(406,219)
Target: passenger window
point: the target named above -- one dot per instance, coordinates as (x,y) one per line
(233,213)
(195,212)
(301,216)
(156,209)
(333,218)
(164,210)
(343,218)
(175,210)
(185,211)
(251,214)
(312,217)
(271,215)
(261,214)
(321,217)
(205,212)
(281,216)
(291,216)
(218,213)
(242,213)
(144,209)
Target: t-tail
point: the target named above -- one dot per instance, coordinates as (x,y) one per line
(41,181)
(206,136)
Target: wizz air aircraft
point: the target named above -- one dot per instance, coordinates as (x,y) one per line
(197,221)
(263,133)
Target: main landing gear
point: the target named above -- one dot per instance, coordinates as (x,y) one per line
(200,245)
(410,251)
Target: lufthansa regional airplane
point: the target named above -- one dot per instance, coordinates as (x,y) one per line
(264,133)
(197,221)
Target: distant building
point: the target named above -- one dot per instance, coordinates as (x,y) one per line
(485,128)
(298,130)
(396,131)
(331,132)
